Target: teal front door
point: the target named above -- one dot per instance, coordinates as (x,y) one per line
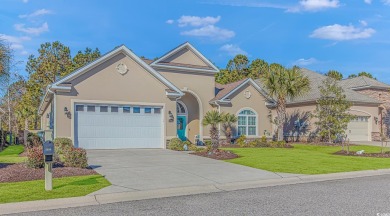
(181,127)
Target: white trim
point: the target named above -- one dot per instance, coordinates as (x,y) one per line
(163,114)
(199,70)
(254,84)
(120,49)
(257,121)
(55,117)
(190,47)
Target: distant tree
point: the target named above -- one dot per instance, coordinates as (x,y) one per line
(283,84)
(363,73)
(83,58)
(332,110)
(213,118)
(334,74)
(257,68)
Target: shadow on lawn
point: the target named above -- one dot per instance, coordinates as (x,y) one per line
(4,165)
(89,181)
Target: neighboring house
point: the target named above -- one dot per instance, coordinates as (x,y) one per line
(123,101)
(367,108)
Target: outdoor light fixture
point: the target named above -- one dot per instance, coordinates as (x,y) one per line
(171,118)
(376,120)
(47,115)
(67,112)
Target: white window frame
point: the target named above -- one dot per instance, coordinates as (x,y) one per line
(247,122)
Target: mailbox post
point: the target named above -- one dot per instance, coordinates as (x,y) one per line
(48,154)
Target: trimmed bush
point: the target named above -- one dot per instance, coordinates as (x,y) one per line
(241,141)
(33,140)
(176,144)
(278,144)
(76,157)
(62,145)
(35,157)
(263,139)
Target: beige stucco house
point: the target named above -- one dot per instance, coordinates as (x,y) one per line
(123,101)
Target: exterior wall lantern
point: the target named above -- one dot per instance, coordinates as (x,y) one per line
(171,117)
(67,112)
(376,120)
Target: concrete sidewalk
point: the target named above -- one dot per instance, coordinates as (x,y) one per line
(179,191)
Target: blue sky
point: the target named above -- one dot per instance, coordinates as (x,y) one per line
(346,35)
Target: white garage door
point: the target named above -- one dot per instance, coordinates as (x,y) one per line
(99,126)
(358,129)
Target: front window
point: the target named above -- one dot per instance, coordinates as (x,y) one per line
(247,123)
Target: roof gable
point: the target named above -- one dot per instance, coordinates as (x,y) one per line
(121,49)
(363,82)
(223,92)
(186,57)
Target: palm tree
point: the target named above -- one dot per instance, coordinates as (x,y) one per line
(228,121)
(283,84)
(213,118)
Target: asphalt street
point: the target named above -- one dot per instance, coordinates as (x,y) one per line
(359,196)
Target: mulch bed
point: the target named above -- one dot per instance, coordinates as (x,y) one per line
(20,172)
(375,155)
(287,145)
(218,154)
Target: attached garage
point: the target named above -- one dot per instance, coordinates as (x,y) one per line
(110,126)
(358,129)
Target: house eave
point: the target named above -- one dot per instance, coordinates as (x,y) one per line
(184,69)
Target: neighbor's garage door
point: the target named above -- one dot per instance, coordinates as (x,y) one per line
(117,126)
(358,129)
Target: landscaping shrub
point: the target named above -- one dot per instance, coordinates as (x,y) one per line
(241,141)
(33,140)
(278,144)
(35,157)
(263,139)
(259,143)
(176,144)
(76,157)
(62,145)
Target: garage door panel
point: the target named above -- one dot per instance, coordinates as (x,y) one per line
(358,129)
(107,130)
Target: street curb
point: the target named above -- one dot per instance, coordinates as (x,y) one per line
(99,199)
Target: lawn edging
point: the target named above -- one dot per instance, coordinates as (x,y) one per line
(99,199)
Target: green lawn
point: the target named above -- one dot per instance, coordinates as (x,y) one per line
(11,154)
(62,187)
(308,159)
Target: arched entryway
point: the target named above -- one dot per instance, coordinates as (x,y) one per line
(188,117)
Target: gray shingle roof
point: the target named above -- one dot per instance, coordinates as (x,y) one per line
(222,90)
(316,80)
(363,82)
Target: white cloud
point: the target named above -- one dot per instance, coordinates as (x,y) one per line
(25,1)
(386,2)
(170,21)
(16,43)
(340,33)
(32,30)
(210,31)
(197,21)
(232,50)
(368,1)
(315,5)
(363,22)
(36,13)
(305,62)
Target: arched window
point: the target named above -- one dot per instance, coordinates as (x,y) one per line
(181,108)
(247,123)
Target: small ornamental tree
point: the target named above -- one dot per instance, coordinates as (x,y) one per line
(228,122)
(332,111)
(212,119)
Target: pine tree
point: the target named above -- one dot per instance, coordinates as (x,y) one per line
(332,111)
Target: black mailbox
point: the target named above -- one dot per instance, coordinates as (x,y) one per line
(48,151)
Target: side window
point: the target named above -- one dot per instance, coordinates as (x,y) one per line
(136,109)
(114,109)
(126,109)
(79,108)
(148,110)
(90,108)
(103,108)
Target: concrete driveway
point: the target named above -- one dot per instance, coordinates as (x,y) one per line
(148,169)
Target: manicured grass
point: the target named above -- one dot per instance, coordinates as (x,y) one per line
(11,154)
(62,187)
(308,159)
